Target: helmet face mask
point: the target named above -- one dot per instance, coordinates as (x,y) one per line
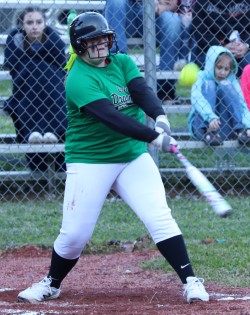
(89,25)
(97,48)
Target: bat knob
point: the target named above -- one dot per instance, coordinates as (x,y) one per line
(226,213)
(173,148)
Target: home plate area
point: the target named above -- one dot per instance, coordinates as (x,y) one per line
(107,284)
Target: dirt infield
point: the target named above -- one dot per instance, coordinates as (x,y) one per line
(109,284)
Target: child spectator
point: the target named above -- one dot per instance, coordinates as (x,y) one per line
(219,111)
(245,84)
(35,56)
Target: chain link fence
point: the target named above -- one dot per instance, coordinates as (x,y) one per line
(33,171)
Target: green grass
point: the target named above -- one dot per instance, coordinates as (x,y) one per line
(182,91)
(6,124)
(207,157)
(5,88)
(225,261)
(29,222)
(178,120)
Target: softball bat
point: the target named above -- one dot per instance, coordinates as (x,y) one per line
(203,185)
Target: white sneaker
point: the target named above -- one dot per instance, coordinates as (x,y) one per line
(35,137)
(194,290)
(38,292)
(49,137)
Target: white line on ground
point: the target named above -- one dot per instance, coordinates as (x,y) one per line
(229,297)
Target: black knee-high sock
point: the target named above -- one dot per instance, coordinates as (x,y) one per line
(175,252)
(59,268)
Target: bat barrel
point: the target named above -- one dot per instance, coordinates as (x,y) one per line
(214,198)
(219,204)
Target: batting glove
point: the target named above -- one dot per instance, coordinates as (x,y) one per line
(162,125)
(163,142)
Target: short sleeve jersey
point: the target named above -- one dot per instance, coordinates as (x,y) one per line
(87,139)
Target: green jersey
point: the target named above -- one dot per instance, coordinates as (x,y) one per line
(89,140)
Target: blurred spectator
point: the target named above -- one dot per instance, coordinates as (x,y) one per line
(219,111)
(222,22)
(245,84)
(35,56)
(172,27)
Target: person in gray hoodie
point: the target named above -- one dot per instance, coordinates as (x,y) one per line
(219,111)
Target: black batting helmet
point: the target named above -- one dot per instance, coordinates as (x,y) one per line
(86,26)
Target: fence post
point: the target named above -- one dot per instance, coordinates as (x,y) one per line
(150,58)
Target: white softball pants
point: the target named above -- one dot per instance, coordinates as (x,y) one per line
(138,183)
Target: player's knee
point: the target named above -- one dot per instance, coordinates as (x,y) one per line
(163,227)
(70,245)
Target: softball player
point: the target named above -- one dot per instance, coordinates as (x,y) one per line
(107,99)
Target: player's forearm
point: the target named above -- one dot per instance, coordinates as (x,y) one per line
(145,98)
(103,110)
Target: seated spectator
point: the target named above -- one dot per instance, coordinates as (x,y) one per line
(216,22)
(219,111)
(35,56)
(172,28)
(245,84)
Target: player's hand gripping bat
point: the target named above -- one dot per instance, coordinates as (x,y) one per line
(207,190)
